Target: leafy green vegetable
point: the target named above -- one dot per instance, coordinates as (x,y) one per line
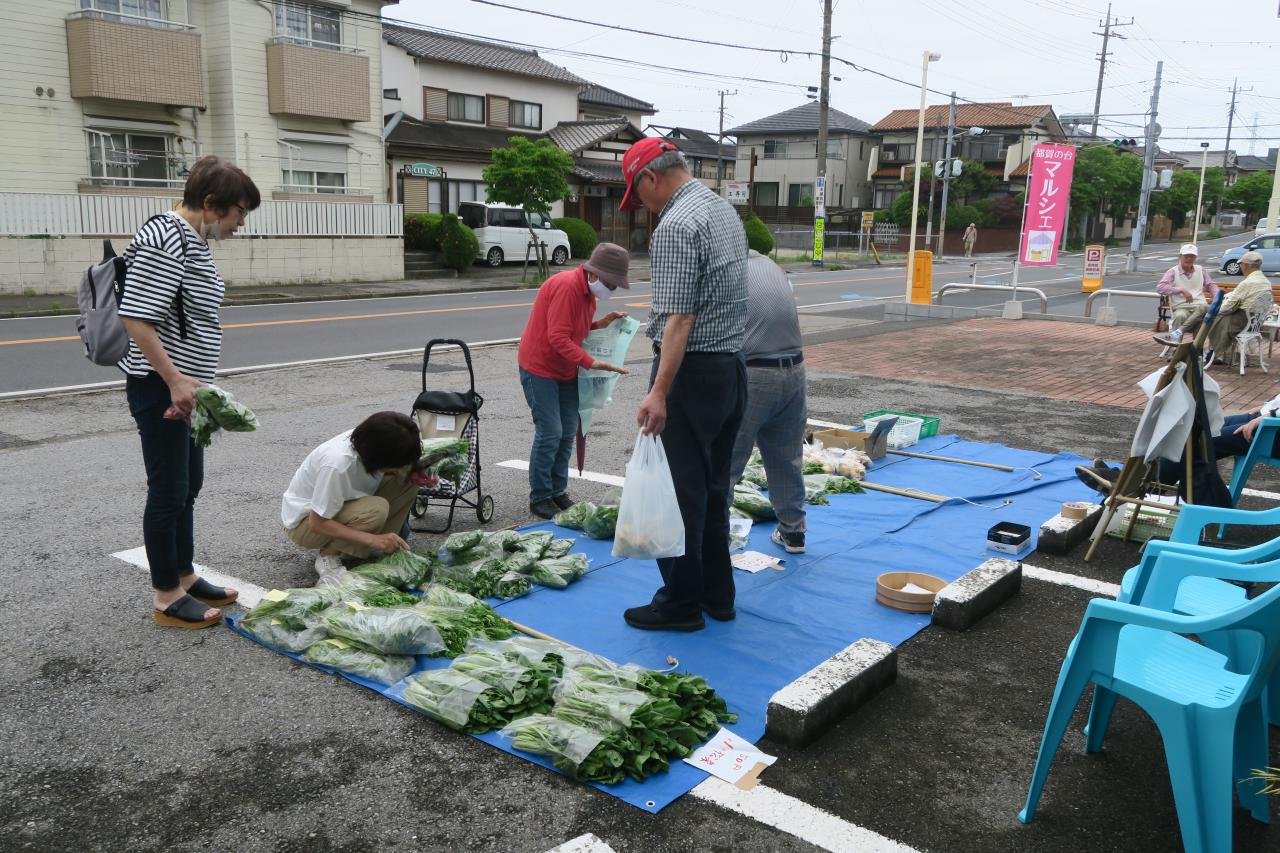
(749,500)
(558,548)
(512,585)
(369,592)
(815,497)
(385,630)
(561,571)
(458,625)
(291,633)
(575,516)
(434,593)
(435,450)
(224,410)
(458,700)
(754,474)
(350,657)
(527,683)
(833,484)
(403,569)
(451,468)
(500,542)
(601,523)
(811,467)
(463,540)
(534,543)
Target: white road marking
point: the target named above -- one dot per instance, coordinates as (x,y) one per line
(250,594)
(254,368)
(1256,493)
(1111,590)
(607,479)
(583,844)
(827,424)
(797,818)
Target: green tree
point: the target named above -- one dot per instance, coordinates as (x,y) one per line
(532,174)
(1104,182)
(1251,193)
(458,243)
(973,183)
(758,235)
(1179,200)
(582,237)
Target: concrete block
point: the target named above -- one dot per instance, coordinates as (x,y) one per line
(1061,535)
(964,601)
(1012,310)
(915,310)
(826,694)
(1107,316)
(942,312)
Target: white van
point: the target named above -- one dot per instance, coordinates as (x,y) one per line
(503,233)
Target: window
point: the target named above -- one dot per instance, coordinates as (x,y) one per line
(124,159)
(774,149)
(986,148)
(800,195)
(391,94)
(539,221)
(315,26)
(525,114)
(885,194)
(313,167)
(834,149)
(512,218)
(466,107)
(460,191)
(152,10)
(300,181)
(767,194)
(898,152)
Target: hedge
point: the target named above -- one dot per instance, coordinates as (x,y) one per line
(758,236)
(422,232)
(458,243)
(582,237)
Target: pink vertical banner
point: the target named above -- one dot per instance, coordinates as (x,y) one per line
(1048,197)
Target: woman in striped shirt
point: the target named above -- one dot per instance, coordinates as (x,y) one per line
(170,309)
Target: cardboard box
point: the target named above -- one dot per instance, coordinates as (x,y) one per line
(1008,537)
(847,438)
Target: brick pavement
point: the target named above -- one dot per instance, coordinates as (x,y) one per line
(1063,361)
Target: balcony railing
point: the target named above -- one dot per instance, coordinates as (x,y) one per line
(317,81)
(115,56)
(126,18)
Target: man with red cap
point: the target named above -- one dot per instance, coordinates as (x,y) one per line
(698,384)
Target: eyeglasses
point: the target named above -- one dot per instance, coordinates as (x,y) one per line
(244,211)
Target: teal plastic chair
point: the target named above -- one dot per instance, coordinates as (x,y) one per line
(1260,450)
(1209,712)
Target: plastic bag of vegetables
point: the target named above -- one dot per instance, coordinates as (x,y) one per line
(216,409)
(526,683)
(463,540)
(458,700)
(567,745)
(511,585)
(602,522)
(534,543)
(290,619)
(575,516)
(458,625)
(366,591)
(350,657)
(385,630)
(832,484)
(402,569)
(559,572)
(436,449)
(558,548)
(749,500)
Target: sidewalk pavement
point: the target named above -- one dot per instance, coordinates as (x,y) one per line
(1073,362)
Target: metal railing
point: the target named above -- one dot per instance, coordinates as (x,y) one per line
(1109,292)
(303,41)
(127,18)
(88,215)
(958,286)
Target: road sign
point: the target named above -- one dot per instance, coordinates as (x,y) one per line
(423,170)
(1094,267)
(868,220)
(737,192)
(820,197)
(819,227)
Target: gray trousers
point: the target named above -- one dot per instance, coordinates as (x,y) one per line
(775,422)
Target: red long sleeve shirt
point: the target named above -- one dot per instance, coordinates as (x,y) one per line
(551,346)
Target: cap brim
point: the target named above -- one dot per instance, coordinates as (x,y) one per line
(629,200)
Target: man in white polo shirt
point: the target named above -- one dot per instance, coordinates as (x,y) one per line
(1190,290)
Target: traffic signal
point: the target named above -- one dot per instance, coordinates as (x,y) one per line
(1124,143)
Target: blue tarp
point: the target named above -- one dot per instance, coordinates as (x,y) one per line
(790,621)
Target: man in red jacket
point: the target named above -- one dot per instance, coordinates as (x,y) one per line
(550,354)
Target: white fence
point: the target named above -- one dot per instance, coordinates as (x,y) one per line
(75,215)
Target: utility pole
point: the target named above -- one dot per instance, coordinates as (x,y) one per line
(1148,165)
(1226,150)
(720,145)
(824,107)
(946,172)
(1106,34)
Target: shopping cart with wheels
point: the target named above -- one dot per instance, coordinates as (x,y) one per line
(457,414)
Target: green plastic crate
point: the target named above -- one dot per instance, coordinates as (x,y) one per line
(928,427)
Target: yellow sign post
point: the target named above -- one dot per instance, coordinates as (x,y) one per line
(1094,267)
(922,278)
(819,231)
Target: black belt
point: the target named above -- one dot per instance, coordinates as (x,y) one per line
(657,350)
(783,361)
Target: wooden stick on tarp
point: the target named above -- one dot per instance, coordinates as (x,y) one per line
(937,458)
(906,493)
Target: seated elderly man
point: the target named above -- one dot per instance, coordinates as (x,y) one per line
(1190,290)
(1233,316)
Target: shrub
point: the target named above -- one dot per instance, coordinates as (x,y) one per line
(1213,234)
(758,236)
(960,215)
(422,232)
(582,237)
(458,243)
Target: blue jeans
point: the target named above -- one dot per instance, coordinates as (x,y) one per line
(1225,443)
(554,404)
(775,422)
(175,473)
(704,409)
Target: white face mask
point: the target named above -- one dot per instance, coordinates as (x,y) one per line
(211,230)
(599,289)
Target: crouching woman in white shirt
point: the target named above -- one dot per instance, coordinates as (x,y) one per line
(352,494)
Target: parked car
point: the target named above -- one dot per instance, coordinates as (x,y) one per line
(503,233)
(1267,245)
(1261,227)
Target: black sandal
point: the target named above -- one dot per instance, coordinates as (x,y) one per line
(186,612)
(210,594)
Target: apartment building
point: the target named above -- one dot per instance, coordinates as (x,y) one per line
(786,149)
(1004,147)
(121,96)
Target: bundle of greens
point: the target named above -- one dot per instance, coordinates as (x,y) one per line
(558,548)
(451,468)
(402,569)
(444,596)
(351,657)
(534,544)
(216,409)
(575,516)
(511,585)
(815,496)
(290,619)
(655,729)
(458,625)
(463,541)
(600,524)
(559,572)
(574,750)
(435,450)
(753,473)
(385,630)
(833,484)
(813,467)
(458,700)
(367,591)
(527,684)
(521,562)
(749,500)
(500,542)
(701,707)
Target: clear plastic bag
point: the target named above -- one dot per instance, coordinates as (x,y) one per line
(595,387)
(386,630)
(449,696)
(566,744)
(649,522)
(348,657)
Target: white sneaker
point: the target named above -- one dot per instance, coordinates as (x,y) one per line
(329,566)
(1172,339)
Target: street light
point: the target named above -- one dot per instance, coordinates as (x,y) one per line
(1204,157)
(929,56)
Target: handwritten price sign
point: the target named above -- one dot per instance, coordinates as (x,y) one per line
(729,757)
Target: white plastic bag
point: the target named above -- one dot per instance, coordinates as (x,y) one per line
(595,387)
(649,522)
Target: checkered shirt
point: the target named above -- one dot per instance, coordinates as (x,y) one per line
(698,266)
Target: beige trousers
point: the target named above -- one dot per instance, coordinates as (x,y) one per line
(383,512)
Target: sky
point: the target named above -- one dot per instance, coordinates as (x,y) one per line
(1024,51)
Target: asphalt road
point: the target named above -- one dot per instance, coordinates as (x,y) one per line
(121,736)
(43,352)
